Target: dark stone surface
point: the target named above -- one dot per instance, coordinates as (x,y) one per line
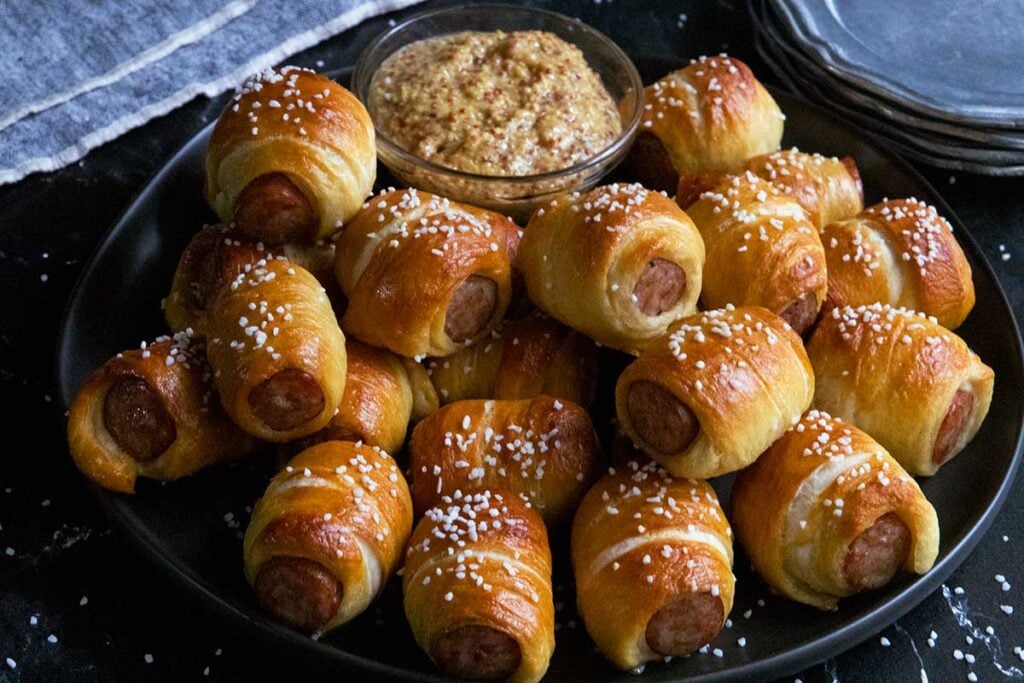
(108,608)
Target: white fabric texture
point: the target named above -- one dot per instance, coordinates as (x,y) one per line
(89,71)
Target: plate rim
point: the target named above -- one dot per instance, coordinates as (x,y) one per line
(779,664)
(986,115)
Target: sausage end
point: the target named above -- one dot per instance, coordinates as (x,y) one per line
(685,624)
(137,420)
(659,287)
(953,424)
(801,312)
(662,422)
(477,652)
(287,399)
(471,308)
(878,553)
(272,209)
(300,592)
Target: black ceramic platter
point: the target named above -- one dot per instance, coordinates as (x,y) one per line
(182,526)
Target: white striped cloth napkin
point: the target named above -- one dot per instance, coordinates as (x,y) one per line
(86,72)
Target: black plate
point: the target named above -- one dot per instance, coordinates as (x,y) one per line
(182,526)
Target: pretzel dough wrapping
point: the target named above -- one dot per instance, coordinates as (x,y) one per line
(542,448)
(291,158)
(912,384)
(523,358)
(151,412)
(714,393)
(619,263)
(709,116)
(829,189)
(826,513)
(277,353)
(652,556)
(477,586)
(903,253)
(215,256)
(762,250)
(424,275)
(327,534)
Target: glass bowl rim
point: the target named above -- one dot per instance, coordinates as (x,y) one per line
(362,78)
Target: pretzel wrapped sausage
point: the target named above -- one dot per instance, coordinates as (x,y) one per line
(327,534)
(826,513)
(900,252)
(523,358)
(762,250)
(829,189)
(376,406)
(652,556)
(542,448)
(618,263)
(277,352)
(714,393)
(709,116)
(151,412)
(215,256)
(291,158)
(424,275)
(900,376)
(477,586)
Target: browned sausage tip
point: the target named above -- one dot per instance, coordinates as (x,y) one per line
(662,422)
(877,553)
(137,419)
(477,652)
(471,308)
(272,209)
(659,287)
(801,312)
(685,624)
(957,415)
(287,399)
(300,592)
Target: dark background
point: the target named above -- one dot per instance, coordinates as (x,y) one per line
(108,608)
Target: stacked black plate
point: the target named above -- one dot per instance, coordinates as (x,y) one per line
(942,81)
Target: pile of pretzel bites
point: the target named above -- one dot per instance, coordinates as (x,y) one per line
(773,327)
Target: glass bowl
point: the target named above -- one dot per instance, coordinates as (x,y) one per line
(516,196)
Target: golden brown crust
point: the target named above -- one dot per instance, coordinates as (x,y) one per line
(342,505)
(894,373)
(212,259)
(274,318)
(401,259)
(801,505)
(762,250)
(482,559)
(375,407)
(640,540)
(582,255)
(828,188)
(709,116)
(215,256)
(899,252)
(541,447)
(176,372)
(521,359)
(742,372)
(300,124)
